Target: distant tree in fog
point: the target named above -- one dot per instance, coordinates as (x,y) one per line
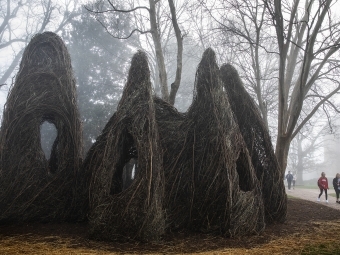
(20,20)
(150,18)
(100,64)
(306,152)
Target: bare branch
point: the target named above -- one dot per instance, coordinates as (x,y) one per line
(126,37)
(115,9)
(311,114)
(6,44)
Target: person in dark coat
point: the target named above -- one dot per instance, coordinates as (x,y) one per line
(289,178)
(294,180)
(336,185)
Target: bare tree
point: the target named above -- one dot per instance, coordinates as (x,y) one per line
(301,44)
(179,38)
(303,156)
(307,42)
(20,20)
(241,31)
(149,13)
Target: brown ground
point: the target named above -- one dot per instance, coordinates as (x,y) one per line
(307,223)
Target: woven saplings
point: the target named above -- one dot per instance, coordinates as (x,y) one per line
(136,211)
(32,187)
(211,184)
(257,138)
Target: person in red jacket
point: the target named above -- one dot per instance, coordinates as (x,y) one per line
(323,185)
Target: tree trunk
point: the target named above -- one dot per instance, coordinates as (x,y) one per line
(11,68)
(159,52)
(176,83)
(300,156)
(281,151)
(283,141)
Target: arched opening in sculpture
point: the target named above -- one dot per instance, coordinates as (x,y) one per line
(48,134)
(245,180)
(127,165)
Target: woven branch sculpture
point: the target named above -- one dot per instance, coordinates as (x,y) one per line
(211,185)
(32,187)
(136,212)
(258,143)
(211,169)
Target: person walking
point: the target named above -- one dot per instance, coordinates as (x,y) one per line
(323,185)
(289,178)
(294,180)
(336,185)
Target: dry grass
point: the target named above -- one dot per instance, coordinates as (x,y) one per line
(310,228)
(318,239)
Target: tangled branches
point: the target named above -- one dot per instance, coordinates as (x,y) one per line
(152,169)
(204,175)
(32,187)
(211,184)
(258,143)
(135,212)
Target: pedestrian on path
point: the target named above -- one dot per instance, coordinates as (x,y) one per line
(336,185)
(294,180)
(323,185)
(289,178)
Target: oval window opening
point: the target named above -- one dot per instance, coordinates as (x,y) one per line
(244,173)
(48,134)
(129,172)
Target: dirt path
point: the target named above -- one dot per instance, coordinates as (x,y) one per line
(312,195)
